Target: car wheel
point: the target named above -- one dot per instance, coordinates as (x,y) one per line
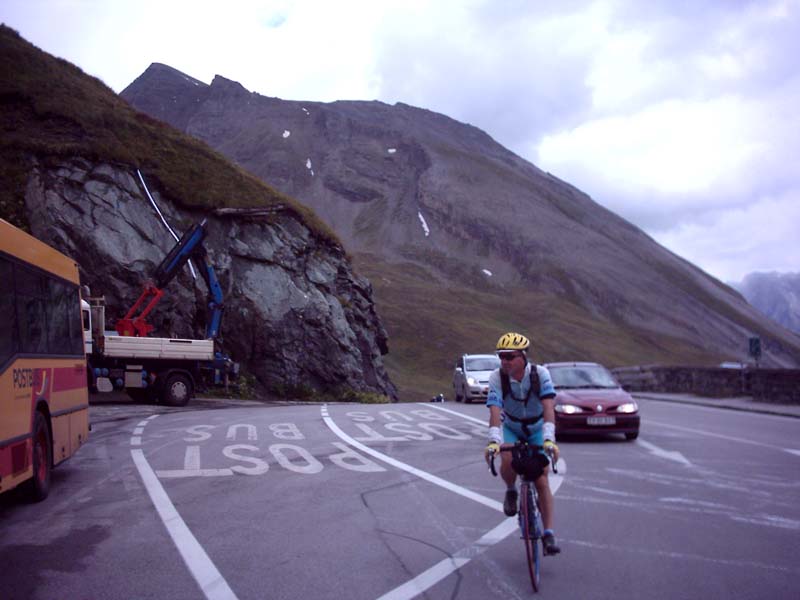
(458,398)
(632,436)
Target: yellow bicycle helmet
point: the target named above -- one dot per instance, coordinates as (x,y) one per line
(513,341)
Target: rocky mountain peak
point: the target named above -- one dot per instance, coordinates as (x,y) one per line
(407,188)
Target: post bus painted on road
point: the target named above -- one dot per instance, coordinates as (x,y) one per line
(44,402)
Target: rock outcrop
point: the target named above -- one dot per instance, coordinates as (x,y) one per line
(296,316)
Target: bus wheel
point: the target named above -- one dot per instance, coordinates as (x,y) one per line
(177,390)
(39,485)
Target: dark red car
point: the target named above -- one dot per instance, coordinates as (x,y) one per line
(589,400)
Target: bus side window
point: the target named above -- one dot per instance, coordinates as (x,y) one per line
(31,311)
(63,316)
(9,340)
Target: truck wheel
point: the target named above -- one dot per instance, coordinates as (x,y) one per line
(39,486)
(177,390)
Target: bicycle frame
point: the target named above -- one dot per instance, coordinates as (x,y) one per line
(530,521)
(530,518)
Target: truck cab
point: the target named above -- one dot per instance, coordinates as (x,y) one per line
(86,313)
(471,376)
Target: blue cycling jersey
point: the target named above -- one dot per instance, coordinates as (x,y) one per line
(515,405)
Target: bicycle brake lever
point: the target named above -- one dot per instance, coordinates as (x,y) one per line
(552,461)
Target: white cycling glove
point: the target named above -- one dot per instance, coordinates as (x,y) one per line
(549,431)
(495,436)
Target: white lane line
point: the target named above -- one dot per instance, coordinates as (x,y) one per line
(453,412)
(136,439)
(408,468)
(211,582)
(660,452)
(442,569)
(693,558)
(725,437)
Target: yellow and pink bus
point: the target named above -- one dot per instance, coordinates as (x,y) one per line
(44,402)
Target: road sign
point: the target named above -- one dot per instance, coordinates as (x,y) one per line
(755,347)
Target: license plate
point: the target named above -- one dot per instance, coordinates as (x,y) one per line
(601,421)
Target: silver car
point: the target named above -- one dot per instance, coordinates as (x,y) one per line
(471,376)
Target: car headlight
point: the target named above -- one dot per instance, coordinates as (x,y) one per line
(628,407)
(568,409)
(472,381)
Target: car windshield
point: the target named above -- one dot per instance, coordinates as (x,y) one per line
(582,376)
(483,363)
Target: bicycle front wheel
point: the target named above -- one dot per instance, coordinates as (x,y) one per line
(527,519)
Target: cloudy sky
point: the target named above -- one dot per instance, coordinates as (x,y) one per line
(681,116)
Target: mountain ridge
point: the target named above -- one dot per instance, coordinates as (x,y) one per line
(775,294)
(374,172)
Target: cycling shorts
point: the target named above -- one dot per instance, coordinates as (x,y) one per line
(512,433)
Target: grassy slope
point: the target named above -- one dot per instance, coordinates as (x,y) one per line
(424,341)
(50,110)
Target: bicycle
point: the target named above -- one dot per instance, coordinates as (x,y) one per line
(529,464)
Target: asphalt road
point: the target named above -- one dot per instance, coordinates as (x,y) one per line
(304,501)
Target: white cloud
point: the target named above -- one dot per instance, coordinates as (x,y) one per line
(674,147)
(759,237)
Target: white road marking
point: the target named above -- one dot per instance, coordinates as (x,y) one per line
(136,439)
(694,558)
(661,453)
(211,582)
(453,412)
(725,437)
(182,473)
(457,489)
(442,569)
(191,467)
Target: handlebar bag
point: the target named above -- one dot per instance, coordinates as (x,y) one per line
(528,462)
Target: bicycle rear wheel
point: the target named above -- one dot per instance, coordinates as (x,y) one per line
(527,516)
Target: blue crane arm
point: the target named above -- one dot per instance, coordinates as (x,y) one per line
(214,292)
(190,246)
(179,255)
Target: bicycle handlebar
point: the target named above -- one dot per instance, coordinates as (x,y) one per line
(510,448)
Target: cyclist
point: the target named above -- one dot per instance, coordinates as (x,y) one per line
(521,404)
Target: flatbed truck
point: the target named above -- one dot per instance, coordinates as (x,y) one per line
(168,370)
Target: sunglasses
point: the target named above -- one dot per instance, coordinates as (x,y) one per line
(507,355)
